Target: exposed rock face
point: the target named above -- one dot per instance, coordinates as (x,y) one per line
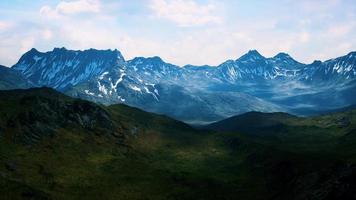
(249,83)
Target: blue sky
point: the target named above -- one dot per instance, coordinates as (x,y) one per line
(180,31)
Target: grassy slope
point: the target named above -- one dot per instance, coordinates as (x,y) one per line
(314,134)
(11,79)
(159,158)
(321,151)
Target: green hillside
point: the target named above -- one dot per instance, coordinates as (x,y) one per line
(11,79)
(56,147)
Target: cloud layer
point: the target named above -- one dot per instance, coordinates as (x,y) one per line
(71,8)
(185,13)
(181,31)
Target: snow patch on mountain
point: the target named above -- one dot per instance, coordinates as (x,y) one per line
(89,93)
(105,77)
(135,88)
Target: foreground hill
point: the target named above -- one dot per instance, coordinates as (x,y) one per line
(12,79)
(56,147)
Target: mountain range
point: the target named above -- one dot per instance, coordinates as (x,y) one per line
(194,94)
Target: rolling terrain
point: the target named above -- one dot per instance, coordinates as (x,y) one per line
(11,79)
(53,146)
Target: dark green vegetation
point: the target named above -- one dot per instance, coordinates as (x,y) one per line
(327,133)
(12,79)
(56,147)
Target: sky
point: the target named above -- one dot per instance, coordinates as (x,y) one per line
(181,32)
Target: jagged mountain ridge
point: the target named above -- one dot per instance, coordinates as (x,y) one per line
(62,68)
(271,84)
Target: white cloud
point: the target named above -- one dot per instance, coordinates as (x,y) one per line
(89,36)
(70,8)
(185,12)
(318,5)
(4,25)
(80,6)
(47,34)
(340,30)
(26,44)
(134,32)
(47,11)
(304,37)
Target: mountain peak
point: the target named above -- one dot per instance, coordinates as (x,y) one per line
(316,62)
(56,49)
(251,55)
(154,59)
(51,68)
(253,51)
(34,50)
(31,52)
(282,55)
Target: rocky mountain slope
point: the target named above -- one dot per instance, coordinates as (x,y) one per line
(250,83)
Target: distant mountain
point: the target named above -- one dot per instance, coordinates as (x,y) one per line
(189,105)
(12,79)
(196,93)
(338,70)
(62,68)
